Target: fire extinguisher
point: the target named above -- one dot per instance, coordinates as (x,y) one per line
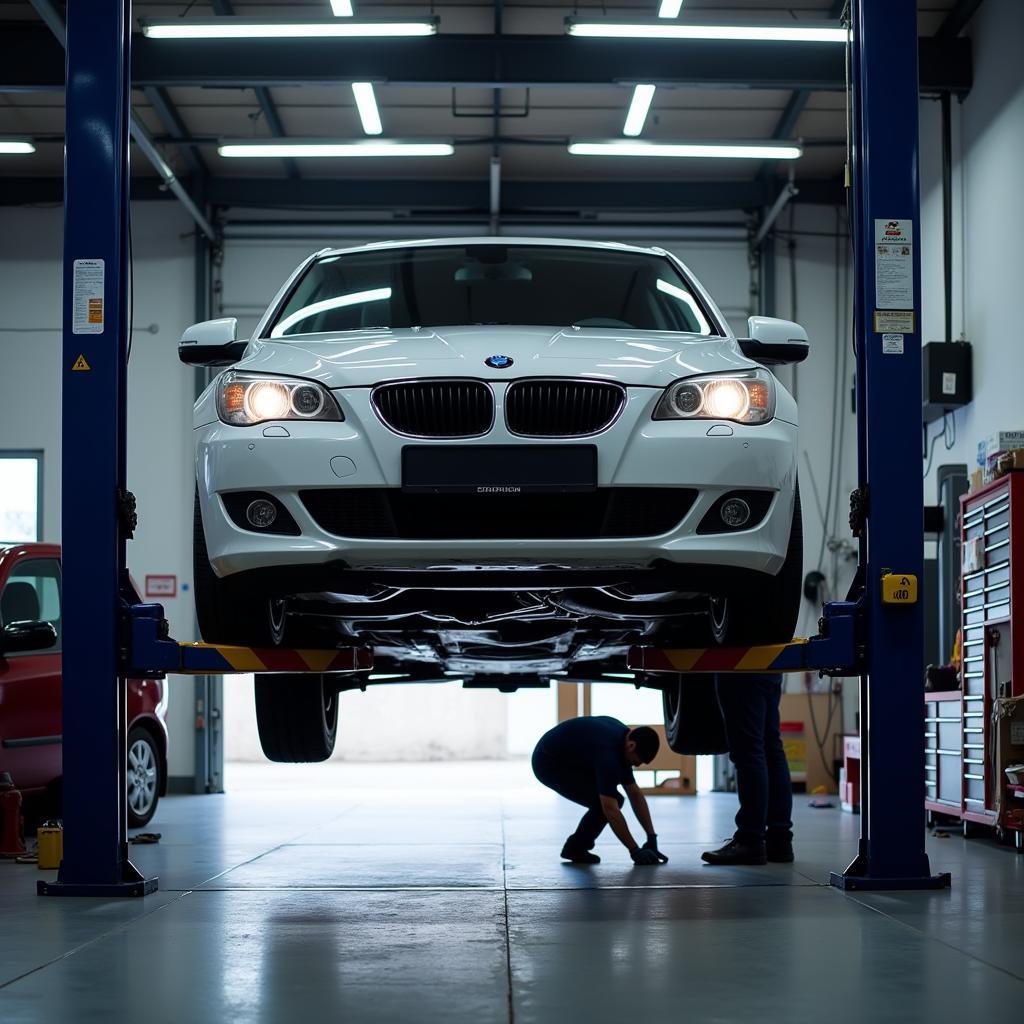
(11,844)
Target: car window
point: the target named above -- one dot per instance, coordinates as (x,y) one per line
(32,591)
(436,286)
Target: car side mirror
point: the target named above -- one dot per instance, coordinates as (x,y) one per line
(27,635)
(774,342)
(212,343)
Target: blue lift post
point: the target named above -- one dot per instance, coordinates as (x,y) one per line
(96,515)
(889,509)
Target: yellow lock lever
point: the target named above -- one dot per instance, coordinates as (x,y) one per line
(899,588)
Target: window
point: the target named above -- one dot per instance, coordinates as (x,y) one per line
(32,592)
(454,285)
(21,496)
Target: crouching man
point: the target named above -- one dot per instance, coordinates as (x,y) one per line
(586,760)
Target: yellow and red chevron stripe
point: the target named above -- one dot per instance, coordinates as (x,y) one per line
(764,658)
(199,658)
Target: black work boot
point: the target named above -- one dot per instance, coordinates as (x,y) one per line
(576,854)
(737,851)
(779,848)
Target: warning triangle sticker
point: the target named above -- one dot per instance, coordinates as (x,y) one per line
(81,364)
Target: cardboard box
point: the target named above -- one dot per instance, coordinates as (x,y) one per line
(1008,462)
(1003,441)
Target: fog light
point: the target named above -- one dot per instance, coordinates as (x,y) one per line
(262,513)
(735,512)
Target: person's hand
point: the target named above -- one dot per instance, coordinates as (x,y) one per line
(652,845)
(642,856)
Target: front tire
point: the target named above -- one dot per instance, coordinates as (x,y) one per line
(297,716)
(143,777)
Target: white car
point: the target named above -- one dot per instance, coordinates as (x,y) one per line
(497,459)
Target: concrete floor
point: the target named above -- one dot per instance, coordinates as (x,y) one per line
(434,893)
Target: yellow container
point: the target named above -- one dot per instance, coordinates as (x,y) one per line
(51,845)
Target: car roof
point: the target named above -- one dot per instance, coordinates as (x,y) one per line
(506,240)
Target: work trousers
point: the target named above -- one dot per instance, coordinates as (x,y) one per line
(750,707)
(580,786)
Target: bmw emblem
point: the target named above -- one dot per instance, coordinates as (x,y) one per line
(499,362)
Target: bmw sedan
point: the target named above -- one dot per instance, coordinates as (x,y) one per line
(497,459)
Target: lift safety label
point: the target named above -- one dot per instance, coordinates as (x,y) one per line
(894,264)
(87,280)
(892,344)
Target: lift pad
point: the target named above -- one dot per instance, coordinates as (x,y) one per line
(834,651)
(152,653)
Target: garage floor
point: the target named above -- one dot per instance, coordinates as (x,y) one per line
(434,893)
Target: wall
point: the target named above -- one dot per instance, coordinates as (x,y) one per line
(988,222)
(160,397)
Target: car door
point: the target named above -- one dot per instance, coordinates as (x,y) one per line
(30,681)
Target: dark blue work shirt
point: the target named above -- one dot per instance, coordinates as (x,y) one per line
(591,745)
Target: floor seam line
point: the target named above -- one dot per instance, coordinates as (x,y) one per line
(508,932)
(97,938)
(932,938)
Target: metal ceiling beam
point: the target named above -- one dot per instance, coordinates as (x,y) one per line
(267,106)
(31,59)
(165,109)
(956,21)
(459,196)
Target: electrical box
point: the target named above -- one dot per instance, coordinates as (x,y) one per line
(946,377)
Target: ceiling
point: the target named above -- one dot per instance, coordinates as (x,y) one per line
(572,97)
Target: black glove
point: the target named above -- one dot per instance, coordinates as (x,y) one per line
(652,845)
(641,855)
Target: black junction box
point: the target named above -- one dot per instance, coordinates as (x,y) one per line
(946,377)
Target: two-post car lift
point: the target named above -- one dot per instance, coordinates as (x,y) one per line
(109,636)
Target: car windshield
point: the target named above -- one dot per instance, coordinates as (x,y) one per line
(436,286)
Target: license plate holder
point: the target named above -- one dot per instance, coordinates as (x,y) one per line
(499,469)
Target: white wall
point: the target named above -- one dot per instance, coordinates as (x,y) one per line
(988,224)
(159,404)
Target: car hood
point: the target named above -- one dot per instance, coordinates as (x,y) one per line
(365,358)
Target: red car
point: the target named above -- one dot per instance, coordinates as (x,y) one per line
(30,687)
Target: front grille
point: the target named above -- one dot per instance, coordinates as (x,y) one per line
(561,408)
(390,513)
(436,408)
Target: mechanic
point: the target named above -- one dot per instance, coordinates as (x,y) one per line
(585,760)
(750,708)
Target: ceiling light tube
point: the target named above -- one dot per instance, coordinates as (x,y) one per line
(720,150)
(669,8)
(366,104)
(342,8)
(323,148)
(16,147)
(261,28)
(638,108)
(782,33)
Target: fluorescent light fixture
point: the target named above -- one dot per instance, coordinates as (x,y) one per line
(669,8)
(16,147)
(366,103)
(338,302)
(784,33)
(342,8)
(723,150)
(638,107)
(260,28)
(317,148)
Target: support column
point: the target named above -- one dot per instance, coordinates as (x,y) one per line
(96,521)
(888,292)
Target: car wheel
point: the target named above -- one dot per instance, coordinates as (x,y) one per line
(768,613)
(143,777)
(230,611)
(693,718)
(297,716)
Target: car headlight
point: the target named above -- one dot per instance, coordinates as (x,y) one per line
(745,397)
(244,399)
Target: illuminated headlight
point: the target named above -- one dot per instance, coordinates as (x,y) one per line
(244,399)
(746,397)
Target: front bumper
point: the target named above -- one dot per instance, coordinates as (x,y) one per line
(636,451)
